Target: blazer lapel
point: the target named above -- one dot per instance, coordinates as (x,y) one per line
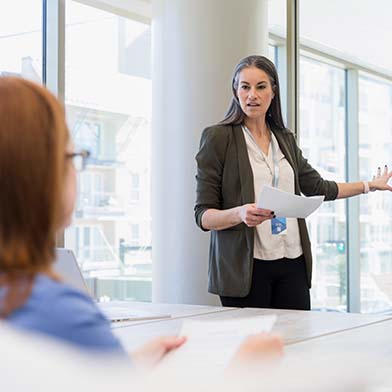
(286,152)
(244,168)
(246,178)
(283,146)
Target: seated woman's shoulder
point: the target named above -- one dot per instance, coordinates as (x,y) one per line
(63,312)
(60,296)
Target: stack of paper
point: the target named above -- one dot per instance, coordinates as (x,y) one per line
(287,205)
(211,345)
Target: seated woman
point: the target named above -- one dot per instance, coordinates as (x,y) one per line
(37,197)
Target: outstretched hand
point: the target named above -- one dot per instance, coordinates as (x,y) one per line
(380,180)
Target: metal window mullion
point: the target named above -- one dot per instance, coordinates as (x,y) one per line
(54,14)
(282,68)
(293,66)
(352,204)
(54,57)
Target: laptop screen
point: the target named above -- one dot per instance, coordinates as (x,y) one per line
(67,267)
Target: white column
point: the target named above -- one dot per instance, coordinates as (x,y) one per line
(195,46)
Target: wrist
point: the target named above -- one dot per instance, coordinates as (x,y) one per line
(366,187)
(238,215)
(372,186)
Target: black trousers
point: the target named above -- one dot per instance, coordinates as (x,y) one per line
(277,284)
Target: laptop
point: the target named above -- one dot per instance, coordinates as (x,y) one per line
(67,267)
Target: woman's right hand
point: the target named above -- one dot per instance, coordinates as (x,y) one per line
(262,347)
(253,216)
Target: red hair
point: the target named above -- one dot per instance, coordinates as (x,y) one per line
(33,142)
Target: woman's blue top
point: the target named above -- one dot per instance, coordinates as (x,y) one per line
(60,311)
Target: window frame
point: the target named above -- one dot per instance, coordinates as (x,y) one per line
(286,49)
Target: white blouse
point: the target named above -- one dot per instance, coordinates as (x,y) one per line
(268,246)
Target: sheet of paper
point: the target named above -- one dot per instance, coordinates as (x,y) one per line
(384,283)
(287,205)
(210,345)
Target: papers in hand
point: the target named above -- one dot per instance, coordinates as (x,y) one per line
(286,204)
(211,345)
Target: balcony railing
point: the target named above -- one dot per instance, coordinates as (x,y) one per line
(108,203)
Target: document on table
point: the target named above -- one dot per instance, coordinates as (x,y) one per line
(210,345)
(287,205)
(384,283)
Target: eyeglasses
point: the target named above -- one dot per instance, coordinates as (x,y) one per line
(79,159)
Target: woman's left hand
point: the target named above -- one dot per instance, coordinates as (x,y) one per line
(380,180)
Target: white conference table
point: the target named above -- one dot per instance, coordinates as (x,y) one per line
(176,311)
(301,330)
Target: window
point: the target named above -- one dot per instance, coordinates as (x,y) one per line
(87,135)
(322,137)
(135,233)
(375,135)
(135,188)
(272,54)
(108,104)
(277,14)
(91,191)
(367,25)
(332,65)
(21,39)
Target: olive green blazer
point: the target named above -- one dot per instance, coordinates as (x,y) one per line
(225,180)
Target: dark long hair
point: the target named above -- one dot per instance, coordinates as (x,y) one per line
(235,115)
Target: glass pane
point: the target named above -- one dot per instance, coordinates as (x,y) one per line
(108,104)
(375,141)
(322,139)
(367,22)
(277,15)
(21,39)
(272,54)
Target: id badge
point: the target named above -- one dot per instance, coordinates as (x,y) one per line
(278,226)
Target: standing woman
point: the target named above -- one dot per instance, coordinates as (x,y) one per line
(255,259)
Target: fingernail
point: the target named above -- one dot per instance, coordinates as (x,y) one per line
(274,216)
(272,212)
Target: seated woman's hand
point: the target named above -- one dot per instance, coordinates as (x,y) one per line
(253,216)
(152,352)
(262,347)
